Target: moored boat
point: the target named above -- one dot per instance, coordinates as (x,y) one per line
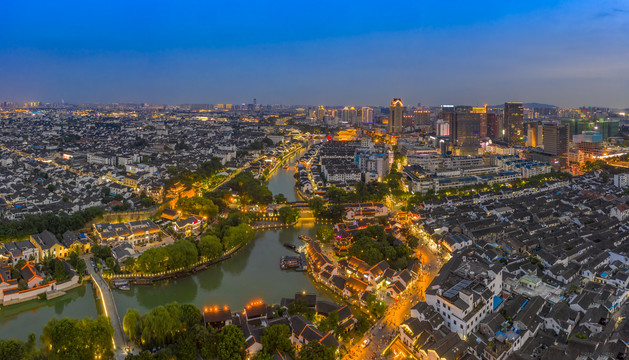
(304,238)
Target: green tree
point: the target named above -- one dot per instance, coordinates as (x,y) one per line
(59,339)
(279,199)
(325,234)
(316,206)
(190,316)
(288,214)
(316,351)
(198,206)
(210,246)
(277,338)
(130,324)
(16,349)
(237,235)
(231,343)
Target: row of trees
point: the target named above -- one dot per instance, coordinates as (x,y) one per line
(180,254)
(178,331)
(212,246)
(34,224)
(64,339)
(363,192)
(320,211)
(373,245)
(227,234)
(534,181)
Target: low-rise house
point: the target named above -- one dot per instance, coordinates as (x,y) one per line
(20,250)
(48,245)
(76,241)
(31,275)
(217,317)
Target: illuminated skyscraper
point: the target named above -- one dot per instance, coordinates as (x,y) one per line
(514,123)
(367,115)
(320,113)
(396,116)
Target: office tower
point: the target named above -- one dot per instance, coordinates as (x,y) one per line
(492,126)
(465,130)
(555,139)
(482,112)
(320,113)
(366,115)
(514,123)
(396,116)
(353,116)
(534,134)
(421,118)
(345,115)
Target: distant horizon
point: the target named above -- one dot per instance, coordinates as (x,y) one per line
(358,106)
(571,53)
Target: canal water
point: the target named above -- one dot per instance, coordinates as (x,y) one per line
(283,181)
(253,273)
(17,321)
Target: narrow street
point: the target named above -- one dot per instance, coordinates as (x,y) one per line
(385,330)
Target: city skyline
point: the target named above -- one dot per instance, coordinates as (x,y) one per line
(549,52)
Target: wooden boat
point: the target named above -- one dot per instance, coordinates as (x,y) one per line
(304,238)
(290,246)
(124,287)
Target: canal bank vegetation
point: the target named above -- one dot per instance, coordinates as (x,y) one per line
(178,331)
(57,224)
(229,234)
(288,214)
(65,339)
(250,189)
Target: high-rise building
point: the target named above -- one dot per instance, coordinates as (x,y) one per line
(534,134)
(345,115)
(514,123)
(396,116)
(421,118)
(353,116)
(465,130)
(366,115)
(492,126)
(555,139)
(607,128)
(320,113)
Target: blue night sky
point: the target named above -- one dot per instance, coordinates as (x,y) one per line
(567,53)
